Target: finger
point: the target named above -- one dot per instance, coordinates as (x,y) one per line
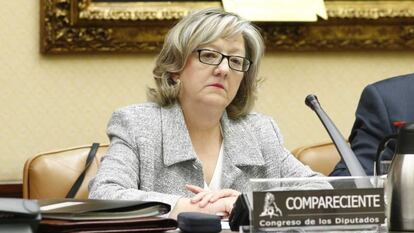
(224,193)
(193,188)
(206,199)
(198,197)
(229,203)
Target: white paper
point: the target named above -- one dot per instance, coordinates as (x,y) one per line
(59,205)
(225,225)
(277,10)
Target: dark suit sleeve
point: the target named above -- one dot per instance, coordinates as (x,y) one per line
(372,124)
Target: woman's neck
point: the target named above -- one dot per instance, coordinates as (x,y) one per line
(203,123)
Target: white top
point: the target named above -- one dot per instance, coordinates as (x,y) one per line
(215,182)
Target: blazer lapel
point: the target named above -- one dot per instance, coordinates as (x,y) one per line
(241,149)
(176,142)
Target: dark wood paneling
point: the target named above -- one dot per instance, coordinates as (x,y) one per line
(14,189)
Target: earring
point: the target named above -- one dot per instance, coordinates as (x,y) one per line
(175,78)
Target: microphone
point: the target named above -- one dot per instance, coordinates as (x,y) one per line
(354,167)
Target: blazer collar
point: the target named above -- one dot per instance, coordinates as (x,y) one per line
(176,142)
(240,145)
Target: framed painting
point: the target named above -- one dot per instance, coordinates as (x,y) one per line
(133,26)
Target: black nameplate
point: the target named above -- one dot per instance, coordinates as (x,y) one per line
(318,207)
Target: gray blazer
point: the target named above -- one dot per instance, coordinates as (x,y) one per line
(151,157)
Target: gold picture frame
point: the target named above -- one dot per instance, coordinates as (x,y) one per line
(101,26)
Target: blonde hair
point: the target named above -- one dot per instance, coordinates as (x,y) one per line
(199,28)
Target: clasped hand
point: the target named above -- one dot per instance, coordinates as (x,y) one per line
(218,202)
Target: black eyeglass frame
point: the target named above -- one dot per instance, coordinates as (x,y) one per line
(222,57)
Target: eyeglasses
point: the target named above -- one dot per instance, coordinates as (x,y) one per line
(211,57)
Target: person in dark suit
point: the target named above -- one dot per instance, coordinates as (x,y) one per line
(382,107)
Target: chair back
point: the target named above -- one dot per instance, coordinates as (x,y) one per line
(52,174)
(321,157)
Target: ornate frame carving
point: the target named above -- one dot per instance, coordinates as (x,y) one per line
(80,26)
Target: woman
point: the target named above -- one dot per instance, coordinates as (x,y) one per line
(197,134)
